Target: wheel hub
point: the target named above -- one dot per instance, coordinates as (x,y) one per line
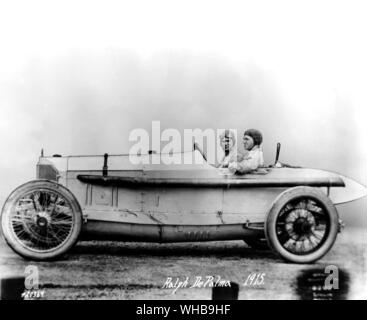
(42,222)
(302,226)
(300,223)
(43,219)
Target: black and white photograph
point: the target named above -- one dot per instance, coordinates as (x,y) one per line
(183,150)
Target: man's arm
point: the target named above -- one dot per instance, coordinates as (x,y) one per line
(248,164)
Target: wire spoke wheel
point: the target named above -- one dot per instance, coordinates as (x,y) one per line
(302,224)
(41,220)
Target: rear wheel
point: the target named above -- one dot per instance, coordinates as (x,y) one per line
(302,225)
(41,220)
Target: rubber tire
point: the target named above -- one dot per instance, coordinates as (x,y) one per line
(280,202)
(11,239)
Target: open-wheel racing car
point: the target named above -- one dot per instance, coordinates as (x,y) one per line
(289,209)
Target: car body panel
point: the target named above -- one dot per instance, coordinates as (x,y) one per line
(146,190)
(174,198)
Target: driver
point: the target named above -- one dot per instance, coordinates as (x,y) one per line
(227,141)
(254,159)
(228,144)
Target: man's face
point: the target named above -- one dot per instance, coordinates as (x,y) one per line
(248,142)
(226,143)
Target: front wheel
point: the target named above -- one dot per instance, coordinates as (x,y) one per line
(302,225)
(41,220)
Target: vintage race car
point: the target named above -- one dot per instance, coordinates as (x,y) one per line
(289,209)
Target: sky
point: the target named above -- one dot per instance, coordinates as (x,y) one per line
(77,76)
